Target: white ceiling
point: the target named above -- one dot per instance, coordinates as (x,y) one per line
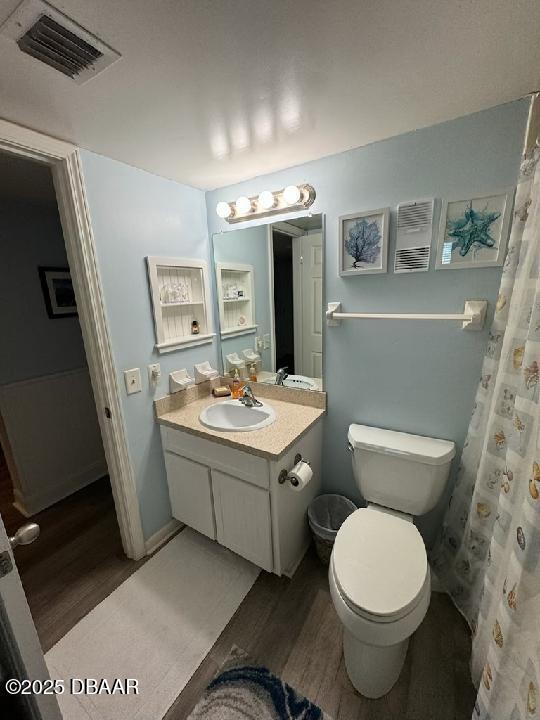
(210,92)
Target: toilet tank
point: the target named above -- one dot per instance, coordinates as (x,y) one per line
(400,471)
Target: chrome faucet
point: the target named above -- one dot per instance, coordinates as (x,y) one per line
(248,399)
(281,375)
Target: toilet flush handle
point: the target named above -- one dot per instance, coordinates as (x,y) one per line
(350,447)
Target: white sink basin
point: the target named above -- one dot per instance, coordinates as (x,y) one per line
(233,416)
(295,381)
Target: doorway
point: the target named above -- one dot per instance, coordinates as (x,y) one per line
(283,301)
(296,249)
(53,469)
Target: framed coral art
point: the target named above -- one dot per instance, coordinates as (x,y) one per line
(363,242)
(474,232)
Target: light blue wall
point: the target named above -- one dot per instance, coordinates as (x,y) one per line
(415,377)
(32,343)
(135,214)
(248,246)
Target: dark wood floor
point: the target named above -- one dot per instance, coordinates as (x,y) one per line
(75,563)
(290,626)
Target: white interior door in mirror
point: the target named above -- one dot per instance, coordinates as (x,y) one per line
(308,316)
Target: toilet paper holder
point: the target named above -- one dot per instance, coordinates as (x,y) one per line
(284,474)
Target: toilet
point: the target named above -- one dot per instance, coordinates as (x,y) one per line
(379,574)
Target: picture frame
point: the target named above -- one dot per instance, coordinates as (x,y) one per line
(363,243)
(473,232)
(57,288)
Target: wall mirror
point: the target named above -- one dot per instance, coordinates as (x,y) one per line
(269,292)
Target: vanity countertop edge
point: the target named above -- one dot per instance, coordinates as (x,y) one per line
(292,422)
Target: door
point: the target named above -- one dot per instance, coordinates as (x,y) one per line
(21,655)
(243,519)
(308,309)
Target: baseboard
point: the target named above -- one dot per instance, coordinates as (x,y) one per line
(289,573)
(160,537)
(31,504)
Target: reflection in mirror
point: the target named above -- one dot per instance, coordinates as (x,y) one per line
(269,290)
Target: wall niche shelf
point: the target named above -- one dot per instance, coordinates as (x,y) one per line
(177,304)
(180,295)
(244,330)
(235,287)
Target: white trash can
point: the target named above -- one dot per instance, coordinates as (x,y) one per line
(326,514)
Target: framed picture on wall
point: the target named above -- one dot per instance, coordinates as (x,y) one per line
(474,232)
(58,292)
(363,242)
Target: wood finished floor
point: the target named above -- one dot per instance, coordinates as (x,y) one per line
(290,626)
(75,563)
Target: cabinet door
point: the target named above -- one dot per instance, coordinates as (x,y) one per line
(243,519)
(190,492)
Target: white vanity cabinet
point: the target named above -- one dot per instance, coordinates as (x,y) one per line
(190,491)
(235,497)
(243,518)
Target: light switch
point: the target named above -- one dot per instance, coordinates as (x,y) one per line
(154,373)
(266,341)
(259,343)
(132,378)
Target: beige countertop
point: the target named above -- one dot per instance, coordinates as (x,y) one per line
(271,442)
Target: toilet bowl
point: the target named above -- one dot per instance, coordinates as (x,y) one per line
(381,594)
(379,575)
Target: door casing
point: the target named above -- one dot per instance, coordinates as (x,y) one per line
(65,162)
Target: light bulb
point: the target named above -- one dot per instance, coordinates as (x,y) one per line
(243,205)
(292,194)
(266,200)
(224,210)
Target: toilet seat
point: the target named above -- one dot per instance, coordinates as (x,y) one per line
(379,564)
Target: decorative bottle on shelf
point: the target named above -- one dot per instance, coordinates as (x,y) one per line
(195,327)
(252,373)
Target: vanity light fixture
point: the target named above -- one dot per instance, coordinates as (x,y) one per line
(292,194)
(266,200)
(291,198)
(243,205)
(224,210)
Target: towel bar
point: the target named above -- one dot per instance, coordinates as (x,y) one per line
(472,317)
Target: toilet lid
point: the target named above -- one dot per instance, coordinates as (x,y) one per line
(380,562)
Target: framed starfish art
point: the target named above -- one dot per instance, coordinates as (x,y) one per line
(474,232)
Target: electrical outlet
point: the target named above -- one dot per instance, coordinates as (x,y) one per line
(266,341)
(154,373)
(132,378)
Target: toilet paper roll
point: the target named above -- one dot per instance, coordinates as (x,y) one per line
(300,475)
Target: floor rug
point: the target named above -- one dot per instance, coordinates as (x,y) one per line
(244,691)
(156,627)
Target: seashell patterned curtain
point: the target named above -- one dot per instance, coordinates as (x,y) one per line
(488,557)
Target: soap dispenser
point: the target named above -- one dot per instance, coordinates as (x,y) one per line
(235,389)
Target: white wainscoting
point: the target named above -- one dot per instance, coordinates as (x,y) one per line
(53,433)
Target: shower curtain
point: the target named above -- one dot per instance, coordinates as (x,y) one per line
(489,554)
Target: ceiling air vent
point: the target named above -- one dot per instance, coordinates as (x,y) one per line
(49,36)
(414,233)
